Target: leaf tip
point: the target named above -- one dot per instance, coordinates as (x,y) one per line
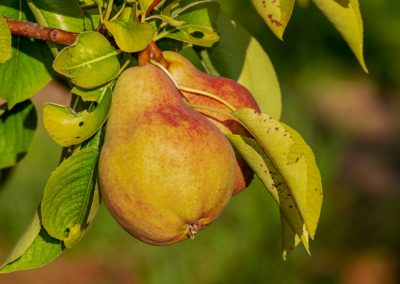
(74,235)
(284,254)
(363,65)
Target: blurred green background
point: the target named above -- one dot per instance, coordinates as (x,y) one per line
(350,119)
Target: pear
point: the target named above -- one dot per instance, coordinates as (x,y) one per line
(187,75)
(165,171)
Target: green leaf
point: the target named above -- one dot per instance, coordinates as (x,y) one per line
(276,184)
(246,63)
(314,194)
(34,249)
(69,195)
(290,240)
(91,95)
(286,166)
(346,17)
(198,27)
(29,68)
(275,13)
(85,3)
(25,240)
(130,35)
(17,128)
(66,15)
(90,62)
(5,41)
(293,159)
(169,20)
(197,35)
(69,128)
(92,18)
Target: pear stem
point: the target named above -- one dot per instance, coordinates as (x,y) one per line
(209,95)
(202,109)
(193,91)
(163,68)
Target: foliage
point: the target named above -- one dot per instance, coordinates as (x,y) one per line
(277,154)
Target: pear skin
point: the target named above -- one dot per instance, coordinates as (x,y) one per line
(165,171)
(187,75)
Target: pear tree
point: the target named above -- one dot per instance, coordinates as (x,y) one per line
(174,109)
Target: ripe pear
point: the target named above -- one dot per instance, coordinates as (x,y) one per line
(187,75)
(165,171)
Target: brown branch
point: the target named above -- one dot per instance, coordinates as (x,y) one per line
(151,7)
(33,30)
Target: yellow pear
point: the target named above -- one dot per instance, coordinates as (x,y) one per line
(187,75)
(165,171)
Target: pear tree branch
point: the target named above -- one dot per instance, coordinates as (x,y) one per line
(33,30)
(57,36)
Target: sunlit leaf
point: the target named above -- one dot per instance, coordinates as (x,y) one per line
(90,95)
(197,35)
(314,194)
(293,160)
(246,63)
(66,15)
(29,68)
(17,128)
(170,21)
(5,41)
(90,62)
(286,166)
(34,249)
(68,128)
(69,195)
(198,28)
(276,13)
(92,18)
(130,35)
(346,17)
(276,184)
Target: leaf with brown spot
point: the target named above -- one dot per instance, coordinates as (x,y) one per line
(285,164)
(276,13)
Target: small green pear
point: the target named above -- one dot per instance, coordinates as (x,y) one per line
(187,75)
(165,171)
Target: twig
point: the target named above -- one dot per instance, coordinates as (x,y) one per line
(152,6)
(33,30)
